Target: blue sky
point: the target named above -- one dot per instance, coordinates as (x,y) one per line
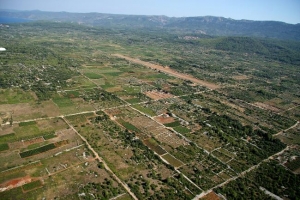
(276,10)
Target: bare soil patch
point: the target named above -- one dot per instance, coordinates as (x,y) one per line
(158,95)
(211,196)
(13,183)
(114,89)
(171,72)
(240,77)
(23,111)
(266,106)
(33,141)
(164,119)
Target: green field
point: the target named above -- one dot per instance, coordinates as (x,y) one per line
(36,151)
(181,129)
(145,110)
(129,126)
(173,161)
(7,137)
(27,123)
(4,147)
(173,124)
(93,75)
(49,136)
(32,185)
(63,102)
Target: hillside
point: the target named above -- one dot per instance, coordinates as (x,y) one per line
(217,26)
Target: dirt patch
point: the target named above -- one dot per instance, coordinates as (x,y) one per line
(164,119)
(171,72)
(211,196)
(266,106)
(114,89)
(240,77)
(15,183)
(33,141)
(23,111)
(158,95)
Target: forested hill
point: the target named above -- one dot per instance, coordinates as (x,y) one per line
(209,25)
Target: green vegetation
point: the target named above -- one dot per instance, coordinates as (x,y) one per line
(173,124)
(128,126)
(39,150)
(248,117)
(145,110)
(49,136)
(181,129)
(32,185)
(7,137)
(27,123)
(173,161)
(62,102)
(42,149)
(4,147)
(92,75)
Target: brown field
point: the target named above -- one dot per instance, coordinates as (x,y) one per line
(168,137)
(33,141)
(23,111)
(158,95)
(164,119)
(172,160)
(158,149)
(171,72)
(211,196)
(114,89)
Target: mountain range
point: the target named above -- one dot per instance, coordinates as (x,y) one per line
(210,25)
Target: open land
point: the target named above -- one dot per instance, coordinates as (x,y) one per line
(93,117)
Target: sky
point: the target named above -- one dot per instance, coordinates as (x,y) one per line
(275,10)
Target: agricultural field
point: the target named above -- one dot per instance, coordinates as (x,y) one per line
(124,114)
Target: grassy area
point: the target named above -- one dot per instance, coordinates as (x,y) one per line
(172,160)
(173,124)
(27,123)
(181,129)
(4,147)
(36,151)
(93,75)
(62,102)
(73,94)
(7,137)
(32,185)
(14,96)
(42,149)
(49,136)
(133,100)
(153,145)
(128,126)
(145,110)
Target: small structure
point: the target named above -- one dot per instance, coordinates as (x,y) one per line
(2,49)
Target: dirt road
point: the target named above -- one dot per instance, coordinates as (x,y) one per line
(170,71)
(102,161)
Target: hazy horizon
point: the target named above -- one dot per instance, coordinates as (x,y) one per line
(276,10)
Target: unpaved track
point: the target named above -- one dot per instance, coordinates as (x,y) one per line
(170,71)
(102,161)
